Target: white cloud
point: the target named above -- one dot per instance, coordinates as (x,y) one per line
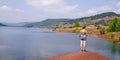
(43,3)
(118,4)
(62,9)
(52,5)
(8,13)
(93,11)
(5,8)
(118,11)
(97,10)
(19,10)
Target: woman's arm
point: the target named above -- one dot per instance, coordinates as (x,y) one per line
(86,33)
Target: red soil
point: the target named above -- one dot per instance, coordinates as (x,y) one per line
(65,29)
(107,36)
(79,56)
(91,30)
(117,35)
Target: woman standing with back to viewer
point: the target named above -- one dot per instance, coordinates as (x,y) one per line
(83,37)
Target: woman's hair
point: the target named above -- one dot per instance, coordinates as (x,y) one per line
(83,27)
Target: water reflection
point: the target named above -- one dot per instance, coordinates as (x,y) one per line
(4,54)
(115,48)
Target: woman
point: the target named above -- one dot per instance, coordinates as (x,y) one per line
(83,37)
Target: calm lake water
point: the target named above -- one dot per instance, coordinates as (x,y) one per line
(19,43)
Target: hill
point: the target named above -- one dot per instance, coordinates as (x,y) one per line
(46,22)
(2,24)
(98,19)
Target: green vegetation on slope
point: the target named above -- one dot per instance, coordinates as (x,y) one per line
(102,15)
(77,24)
(114,25)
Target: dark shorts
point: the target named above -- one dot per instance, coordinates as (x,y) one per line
(83,38)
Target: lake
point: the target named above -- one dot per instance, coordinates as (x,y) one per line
(20,43)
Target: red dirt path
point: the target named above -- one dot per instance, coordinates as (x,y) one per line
(79,56)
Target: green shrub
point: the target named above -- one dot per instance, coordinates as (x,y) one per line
(119,38)
(114,25)
(74,31)
(112,36)
(102,30)
(77,24)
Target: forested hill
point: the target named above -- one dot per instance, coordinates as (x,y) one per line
(46,22)
(2,24)
(107,14)
(102,18)
(95,17)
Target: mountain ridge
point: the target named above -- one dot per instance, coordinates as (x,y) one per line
(1,24)
(102,18)
(46,22)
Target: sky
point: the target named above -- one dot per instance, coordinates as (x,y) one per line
(15,11)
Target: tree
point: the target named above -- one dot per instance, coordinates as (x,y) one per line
(77,24)
(117,26)
(102,30)
(114,25)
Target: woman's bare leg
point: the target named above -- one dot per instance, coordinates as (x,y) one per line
(81,45)
(84,45)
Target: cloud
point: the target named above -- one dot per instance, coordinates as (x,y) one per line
(97,10)
(52,5)
(118,4)
(8,13)
(61,8)
(118,11)
(93,11)
(19,10)
(5,8)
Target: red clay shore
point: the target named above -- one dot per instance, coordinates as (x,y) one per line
(91,30)
(79,56)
